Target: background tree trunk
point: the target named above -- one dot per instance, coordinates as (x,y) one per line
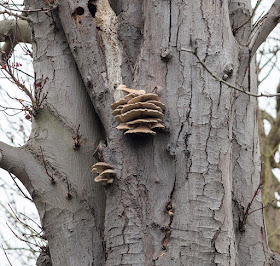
(204,167)
(269,146)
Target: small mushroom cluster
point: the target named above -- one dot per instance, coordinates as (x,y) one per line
(105,172)
(138,112)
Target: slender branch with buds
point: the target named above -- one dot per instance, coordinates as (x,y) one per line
(240,89)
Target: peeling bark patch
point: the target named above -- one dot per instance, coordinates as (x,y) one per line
(107,24)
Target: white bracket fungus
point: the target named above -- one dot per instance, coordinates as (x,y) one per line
(105,172)
(138,112)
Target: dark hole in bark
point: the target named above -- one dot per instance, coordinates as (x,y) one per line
(79,11)
(92,8)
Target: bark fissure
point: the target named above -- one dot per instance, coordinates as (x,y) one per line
(171,211)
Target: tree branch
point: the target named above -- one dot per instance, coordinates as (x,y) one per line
(104,74)
(278,99)
(13,160)
(13,32)
(8,157)
(264,27)
(237,88)
(268,117)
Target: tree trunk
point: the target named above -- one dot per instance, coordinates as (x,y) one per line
(269,144)
(180,197)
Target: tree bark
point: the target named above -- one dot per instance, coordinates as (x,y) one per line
(180,197)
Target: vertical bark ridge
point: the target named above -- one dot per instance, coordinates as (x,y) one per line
(146,221)
(246,174)
(204,183)
(106,23)
(72,209)
(130,29)
(85,42)
(199,169)
(245,156)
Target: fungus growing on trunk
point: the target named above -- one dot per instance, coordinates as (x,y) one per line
(105,172)
(138,112)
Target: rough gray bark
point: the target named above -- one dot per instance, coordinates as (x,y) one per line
(204,167)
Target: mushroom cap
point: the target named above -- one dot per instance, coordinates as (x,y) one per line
(108,173)
(140,105)
(99,178)
(118,118)
(117,111)
(100,167)
(106,176)
(158,103)
(123,100)
(128,90)
(124,126)
(143,121)
(156,125)
(144,98)
(140,113)
(141,130)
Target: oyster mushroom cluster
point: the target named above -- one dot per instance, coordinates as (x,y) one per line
(105,172)
(138,112)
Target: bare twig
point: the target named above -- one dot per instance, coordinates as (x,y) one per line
(256,6)
(267,62)
(241,89)
(39,96)
(266,206)
(6,256)
(24,224)
(14,15)
(33,231)
(45,10)
(21,71)
(253,13)
(10,108)
(269,72)
(247,212)
(258,20)
(19,188)
(7,68)
(21,239)
(78,140)
(264,27)
(36,100)
(31,220)
(45,165)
